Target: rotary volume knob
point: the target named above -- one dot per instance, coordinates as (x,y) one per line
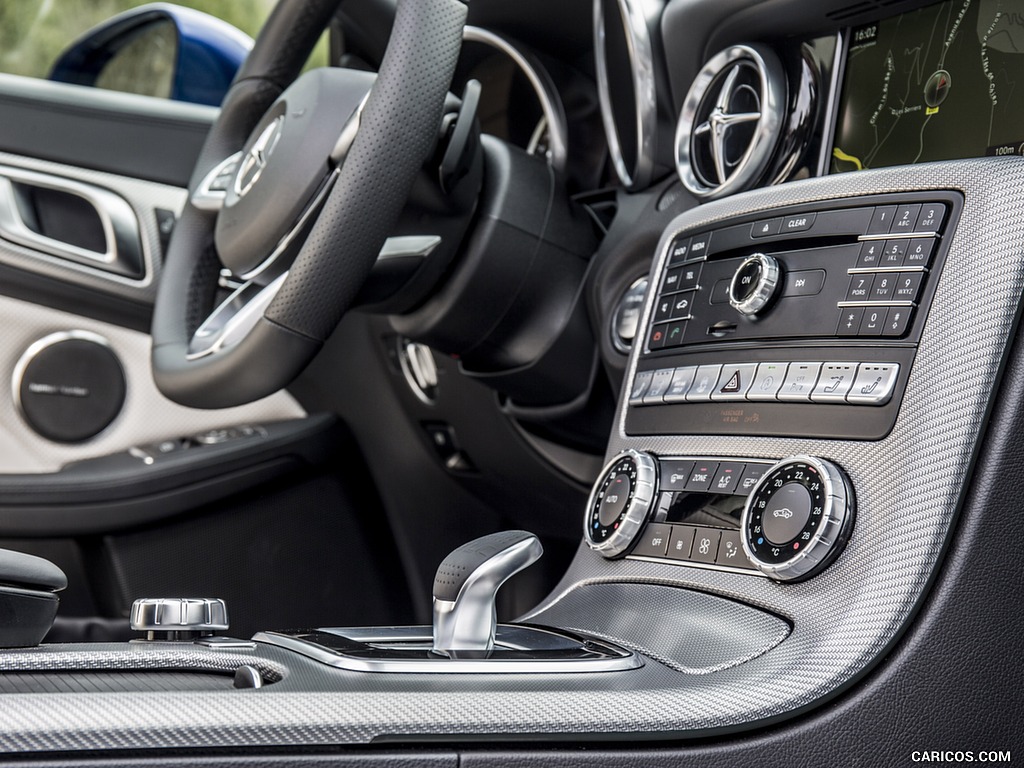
(797,518)
(620,503)
(178,618)
(754,284)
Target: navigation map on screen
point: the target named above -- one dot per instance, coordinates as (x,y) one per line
(939,83)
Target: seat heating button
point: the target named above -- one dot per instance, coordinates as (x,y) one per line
(874,384)
(640,383)
(835,381)
(659,384)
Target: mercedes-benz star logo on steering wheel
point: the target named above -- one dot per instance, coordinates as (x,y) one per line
(256,158)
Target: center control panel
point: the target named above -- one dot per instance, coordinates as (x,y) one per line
(800,322)
(788,520)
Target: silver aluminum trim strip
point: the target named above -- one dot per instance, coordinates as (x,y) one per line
(897,236)
(832,105)
(641,64)
(875,304)
(543,86)
(875,270)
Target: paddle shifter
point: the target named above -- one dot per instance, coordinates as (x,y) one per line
(466,584)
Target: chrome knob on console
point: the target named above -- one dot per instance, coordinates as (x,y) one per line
(754,284)
(178,618)
(797,518)
(620,502)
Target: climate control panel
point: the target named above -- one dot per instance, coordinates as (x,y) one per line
(787,521)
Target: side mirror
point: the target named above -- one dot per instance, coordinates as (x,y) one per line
(158,50)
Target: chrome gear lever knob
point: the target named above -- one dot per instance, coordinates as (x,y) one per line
(467,582)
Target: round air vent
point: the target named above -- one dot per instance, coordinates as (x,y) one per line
(730,122)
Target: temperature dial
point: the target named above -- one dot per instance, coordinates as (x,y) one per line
(620,503)
(797,518)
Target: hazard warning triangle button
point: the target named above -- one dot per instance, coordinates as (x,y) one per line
(734,381)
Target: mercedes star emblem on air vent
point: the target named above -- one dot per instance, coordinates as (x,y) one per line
(730,122)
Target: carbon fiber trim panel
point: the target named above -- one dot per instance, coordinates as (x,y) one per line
(908,486)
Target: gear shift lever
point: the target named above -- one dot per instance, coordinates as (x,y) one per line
(467,582)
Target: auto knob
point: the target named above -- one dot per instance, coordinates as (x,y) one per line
(754,284)
(178,618)
(620,503)
(797,518)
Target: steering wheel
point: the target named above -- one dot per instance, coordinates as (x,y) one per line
(295,191)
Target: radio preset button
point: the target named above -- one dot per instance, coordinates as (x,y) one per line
(908,284)
(931,217)
(894,253)
(860,287)
(883,286)
(905,218)
(874,319)
(800,381)
(767,381)
(919,253)
(881,220)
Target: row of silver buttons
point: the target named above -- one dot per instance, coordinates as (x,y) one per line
(840,382)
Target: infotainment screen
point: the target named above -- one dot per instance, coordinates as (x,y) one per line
(939,83)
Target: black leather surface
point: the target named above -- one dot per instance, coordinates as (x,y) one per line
(21,570)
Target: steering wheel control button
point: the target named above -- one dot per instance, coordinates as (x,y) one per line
(179,618)
(682,380)
(874,384)
(800,381)
(767,381)
(797,519)
(834,383)
(754,284)
(620,503)
(734,381)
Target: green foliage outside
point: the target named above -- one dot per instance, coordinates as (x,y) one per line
(33,33)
